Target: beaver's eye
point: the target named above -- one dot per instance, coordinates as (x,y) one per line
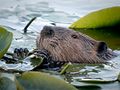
(74,36)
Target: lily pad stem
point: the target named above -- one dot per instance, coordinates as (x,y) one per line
(26,27)
(65,68)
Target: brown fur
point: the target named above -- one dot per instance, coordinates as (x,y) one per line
(66,45)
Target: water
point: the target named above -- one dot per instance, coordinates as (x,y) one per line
(15,14)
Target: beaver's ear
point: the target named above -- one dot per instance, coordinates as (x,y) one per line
(102,47)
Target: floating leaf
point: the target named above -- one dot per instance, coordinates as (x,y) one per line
(91,73)
(36,61)
(102,25)
(97,86)
(5,41)
(41,81)
(109,17)
(27,64)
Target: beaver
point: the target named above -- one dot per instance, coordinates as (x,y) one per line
(61,44)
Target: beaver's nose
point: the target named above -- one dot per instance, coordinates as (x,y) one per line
(47,31)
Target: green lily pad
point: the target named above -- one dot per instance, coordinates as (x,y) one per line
(108,17)
(5,40)
(29,63)
(41,81)
(35,61)
(102,25)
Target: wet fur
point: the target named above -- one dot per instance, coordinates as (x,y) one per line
(66,45)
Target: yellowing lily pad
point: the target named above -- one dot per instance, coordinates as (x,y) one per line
(5,40)
(108,17)
(41,81)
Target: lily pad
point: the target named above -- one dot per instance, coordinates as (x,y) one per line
(41,81)
(27,64)
(108,17)
(91,73)
(97,86)
(5,41)
(102,25)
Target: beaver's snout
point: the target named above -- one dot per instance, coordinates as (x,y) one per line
(47,32)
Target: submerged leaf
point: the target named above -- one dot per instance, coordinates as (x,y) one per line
(109,17)
(5,41)
(97,86)
(91,73)
(41,81)
(7,84)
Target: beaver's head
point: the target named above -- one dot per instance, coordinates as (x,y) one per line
(67,45)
